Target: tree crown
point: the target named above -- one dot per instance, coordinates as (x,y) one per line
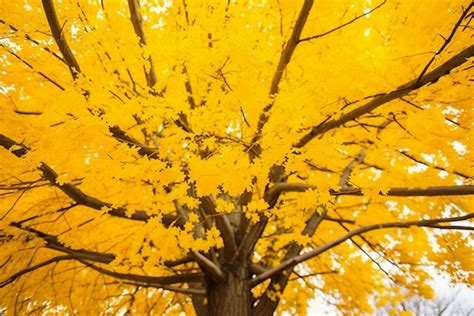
(154,151)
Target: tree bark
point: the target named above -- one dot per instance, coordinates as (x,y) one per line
(231,297)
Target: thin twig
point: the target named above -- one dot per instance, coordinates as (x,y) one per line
(342,25)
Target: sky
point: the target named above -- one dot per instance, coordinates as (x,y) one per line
(461,294)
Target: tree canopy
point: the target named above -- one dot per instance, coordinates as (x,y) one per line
(232,157)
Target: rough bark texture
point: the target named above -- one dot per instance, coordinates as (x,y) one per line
(233,297)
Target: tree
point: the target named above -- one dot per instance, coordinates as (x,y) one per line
(232,157)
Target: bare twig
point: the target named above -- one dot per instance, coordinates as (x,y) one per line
(413,158)
(342,25)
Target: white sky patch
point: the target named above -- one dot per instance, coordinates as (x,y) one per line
(392,205)
(367,32)
(428,157)
(443,174)
(100,14)
(367,12)
(377,173)
(418,168)
(159,9)
(89,157)
(459,147)
(159,25)
(74,30)
(6,41)
(5,89)
(450,110)
(234,128)
(406,211)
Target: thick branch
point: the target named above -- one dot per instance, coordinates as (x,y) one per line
(429,78)
(279,281)
(446,41)
(251,238)
(290,46)
(207,265)
(120,135)
(430,191)
(148,280)
(27,64)
(431,223)
(83,199)
(20,273)
(187,291)
(285,58)
(52,242)
(346,173)
(18,149)
(137,20)
(85,256)
(28,37)
(57,31)
(223,224)
(145,281)
(75,193)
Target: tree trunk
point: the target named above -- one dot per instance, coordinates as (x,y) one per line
(231,297)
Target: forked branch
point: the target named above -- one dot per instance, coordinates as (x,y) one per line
(447,40)
(429,78)
(70,60)
(148,280)
(207,265)
(75,193)
(430,223)
(29,38)
(291,45)
(223,224)
(52,242)
(285,58)
(32,268)
(137,22)
(60,39)
(280,280)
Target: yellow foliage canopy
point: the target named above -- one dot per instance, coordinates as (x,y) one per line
(154,153)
